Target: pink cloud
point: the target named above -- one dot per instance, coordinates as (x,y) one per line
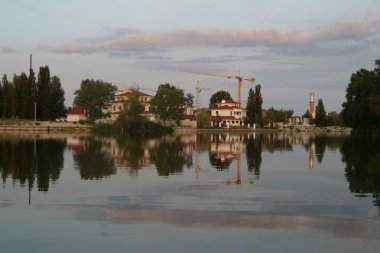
(341,30)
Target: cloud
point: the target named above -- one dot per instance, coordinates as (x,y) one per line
(8,50)
(125,41)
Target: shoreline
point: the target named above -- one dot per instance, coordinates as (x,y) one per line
(44,126)
(71,127)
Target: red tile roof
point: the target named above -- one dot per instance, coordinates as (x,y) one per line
(77,110)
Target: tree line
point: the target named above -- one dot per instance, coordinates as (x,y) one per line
(27,97)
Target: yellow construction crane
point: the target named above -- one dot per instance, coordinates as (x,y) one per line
(238,77)
(198,90)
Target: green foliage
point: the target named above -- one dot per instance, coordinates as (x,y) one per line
(94,95)
(307,114)
(254,106)
(189,99)
(6,98)
(218,97)
(279,115)
(18,98)
(334,119)
(131,123)
(102,129)
(320,114)
(58,96)
(203,119)
(361,110)
(48,94)
(168,103)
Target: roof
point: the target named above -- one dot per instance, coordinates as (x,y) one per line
(226,107)
(129,93)
(77,110)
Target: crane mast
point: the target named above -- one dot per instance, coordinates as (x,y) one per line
(198,90)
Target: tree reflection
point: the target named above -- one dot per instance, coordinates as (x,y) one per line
(253,154)
(170,157)
(362,157)
(31,160)
(132,153)
(93,162)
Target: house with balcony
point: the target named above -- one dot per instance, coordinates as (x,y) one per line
(227,113)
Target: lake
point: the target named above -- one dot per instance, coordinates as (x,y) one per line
(271,192)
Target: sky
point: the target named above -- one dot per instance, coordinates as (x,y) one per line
(291,47)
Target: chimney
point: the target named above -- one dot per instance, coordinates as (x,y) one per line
(312,112)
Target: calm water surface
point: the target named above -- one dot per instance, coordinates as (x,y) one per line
(200,193)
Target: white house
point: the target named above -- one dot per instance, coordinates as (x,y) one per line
(227,113)
(76,114)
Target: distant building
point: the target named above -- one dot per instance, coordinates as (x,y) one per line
(227,113)
(76,114)
(115,107)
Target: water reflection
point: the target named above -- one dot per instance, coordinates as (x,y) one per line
(37,161)
(362,158)
(31,161)
(92,162)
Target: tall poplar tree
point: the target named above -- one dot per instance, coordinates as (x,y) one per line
(57,98)
(320,114)
(32,91)
(254,106)
(44,94)
(6,98)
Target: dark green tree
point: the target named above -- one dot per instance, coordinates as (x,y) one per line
(22,86)
(307,114)
(218,97)
(1,99)
(44,94)
(94,95)
(320,114)
(130,118)
(6,98)
(33,96)
(168,103)
(203,119)
(334,119)
(254,106)
(57,98)
(279,115)
(362,106)
(189,98)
